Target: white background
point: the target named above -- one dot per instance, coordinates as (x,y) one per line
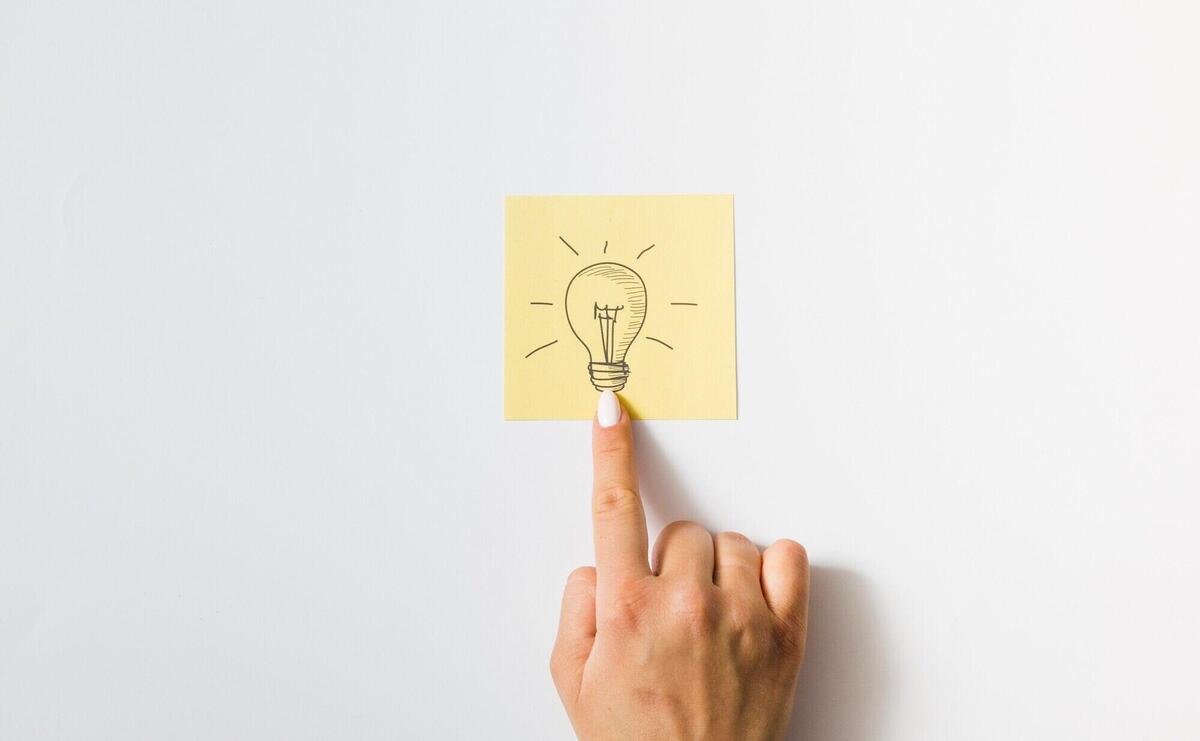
(254,481)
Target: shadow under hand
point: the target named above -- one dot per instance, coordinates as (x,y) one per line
(844,682)
(661,489)
(843,686)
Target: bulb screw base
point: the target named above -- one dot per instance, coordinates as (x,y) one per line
(608,376)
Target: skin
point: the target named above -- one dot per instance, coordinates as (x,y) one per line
(705,642)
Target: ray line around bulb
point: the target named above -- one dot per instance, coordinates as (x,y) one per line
(605,250)
(639,256)
(568,244)
(659,342)
(543,347)
(540,303)
(683,303)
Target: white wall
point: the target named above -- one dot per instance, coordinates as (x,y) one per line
(254,481)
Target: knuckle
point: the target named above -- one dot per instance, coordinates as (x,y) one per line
(615,500)
(692,609)
(613,447)
(736,549)
(679,528)
(679,534)
(791,551)
(735,539)
(583,574)
(623,611)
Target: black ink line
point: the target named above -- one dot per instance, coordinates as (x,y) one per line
(543,347)
(639,257)
(568,244)
(682,303)
(547,303)
(606,246)
(658,341)
(606,269)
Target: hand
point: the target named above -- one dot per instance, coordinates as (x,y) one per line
(707,644)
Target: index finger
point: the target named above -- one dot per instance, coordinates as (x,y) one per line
(618,521)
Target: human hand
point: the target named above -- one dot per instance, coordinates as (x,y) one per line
(706,644)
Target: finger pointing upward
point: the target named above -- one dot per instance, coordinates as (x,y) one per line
(618,522)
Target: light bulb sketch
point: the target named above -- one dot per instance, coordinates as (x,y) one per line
(605,306)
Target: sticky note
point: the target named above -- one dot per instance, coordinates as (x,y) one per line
(629,293)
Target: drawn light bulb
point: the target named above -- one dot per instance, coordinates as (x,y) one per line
(606,305)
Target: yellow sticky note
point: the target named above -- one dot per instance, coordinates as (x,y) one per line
(630,293)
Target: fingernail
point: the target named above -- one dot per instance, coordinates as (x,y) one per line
(608,411)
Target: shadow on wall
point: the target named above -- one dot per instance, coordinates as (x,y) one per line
(662,491)
(843,685)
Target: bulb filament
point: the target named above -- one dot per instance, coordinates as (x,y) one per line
(607,316)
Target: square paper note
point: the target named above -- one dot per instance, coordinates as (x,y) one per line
(629,293)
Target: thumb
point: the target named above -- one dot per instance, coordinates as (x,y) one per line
(576,633)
